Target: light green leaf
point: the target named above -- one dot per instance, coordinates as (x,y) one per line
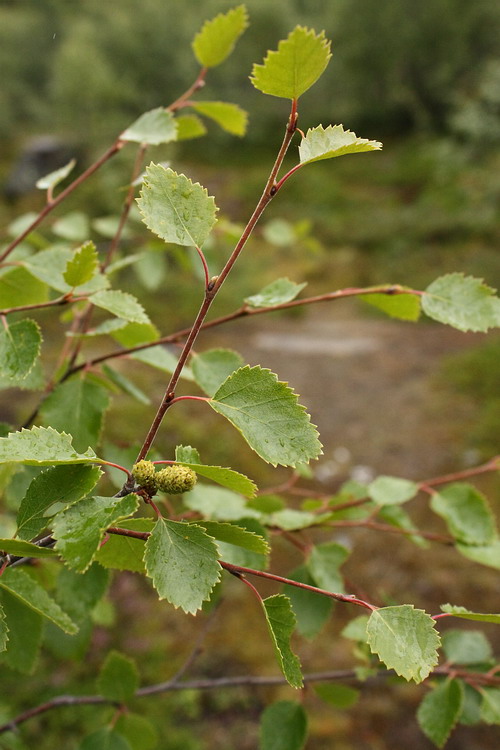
(174,208)
(60,484)
(25,633)
(20,548)
(19,348)
(487,554)
(490,705)
(440,710)
(311,610)
(466,614)
(283,726)
(118,679)
(295,67)
(189,127)
(42,446)
(230,117)
(324,565)
(290,519)
(401,306)
(396,516)
(50,266)
(124,552)
(121,304)
(105,739)
(281,624)
(108,226)
(181,560)
(152,128)
(232,534)
(325,143)
(466,512)
(21,584)
(340,696)
(268,416)
(211,368)
(78,404)
(51,180)
(187,454)
(138,731)
(233,480)
(391,490)
(233,553)
(80,528)
(355,629)
(34,381)
(405,639)
(463,302)
(218,504)
(276,293)
(126,385)
(18,287)
(82,266)
(132,334)
(466,647)
(73,226)
(151,270)
(161,359)
(218,36)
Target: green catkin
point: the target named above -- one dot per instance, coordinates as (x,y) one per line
(175,479)
(145,475)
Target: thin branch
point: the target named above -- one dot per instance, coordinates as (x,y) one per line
(64,299)
(492,465)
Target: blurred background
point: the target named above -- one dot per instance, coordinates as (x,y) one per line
(412,400)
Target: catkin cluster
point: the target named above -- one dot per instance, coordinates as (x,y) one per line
(173,479)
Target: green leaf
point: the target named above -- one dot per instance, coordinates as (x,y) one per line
(3,630)
(19,348)
(355,629)
(118,679)
(324,564)
(105,739)
(121,304)
(61,484)
(126,385)
(42,446)
(79,405)
(218,36)
(466,614)
(25,633)
(283,726)
(211,368)
(440,710)
(187,454)
(32,594)
(466,647)
(466,512)
(237,555)
(281,624)
(490,705)
(174,208)
(268,416)
(79,593)
(311,610)
(218,504)
(20,548)
(132,334)
(50,266)
(405,639)
(181,560)
(189,127)
(396,516)
(488,554)
(278,292)
(232,534)
(295,67)
(138,731)
(124,552)
(230,117)
(34,381)
(462,302)
(233,480)
(51,180)
(391,490)
(161,359)
(80,528)
(152,128)
(340,696)
(73,226)
(290,519)
(401,306)
(82,266)
(18,287)
(325,143)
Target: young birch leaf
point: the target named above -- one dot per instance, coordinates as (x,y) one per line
(189,127)
(25,633)
(232,534)
(218,36)
(42,446)
(51,180)
(276,293)
(33,595)
(78,404)
(466,614)
(466,512)
(181,560)
(50,265)
(283,726)
(295,67)
(404,639)
(63,485)
(490,705)
(462,302)
(325,143)
(391,490)
(19,348)
(267,414)
(174,208)
(218,504)
(440,710)
(118,679)
(82,266)
(230,117)
(152,128)
(121,304)
(18,287)
(187,454)
(211,368)
(233,480)
(400,306)
(80,528)
(281,623)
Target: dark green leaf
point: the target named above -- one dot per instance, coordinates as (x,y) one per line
(283,727)
(211,368)
(79,593)
(118,679)
(105,739)
(218,36)
(42,446)
(19,348)
(440,710)
(138,731)
(33,595)
(340,696)
(124,552)
(25,633)
(311,610)
(276,293)
(3,630)
(152,128)
(462,302)
(281,623)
